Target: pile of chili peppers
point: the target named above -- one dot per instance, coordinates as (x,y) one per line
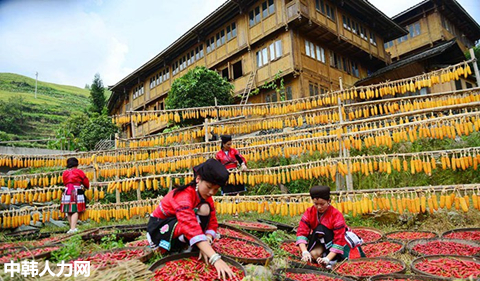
(138,243)
(27,254)
(446,248)
(291,248)
(191,269)
(310,277)
(380,249)
(368,268)
(233,233)
(110,258)
(464,235)
(240,249)
(367,235)
(449,267)
(410,235)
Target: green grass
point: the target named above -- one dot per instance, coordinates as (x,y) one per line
(53,105)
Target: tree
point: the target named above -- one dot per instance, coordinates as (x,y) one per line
(67,135)
(97,128)
(97,95)
(199,87)
(12,119)
(476,51)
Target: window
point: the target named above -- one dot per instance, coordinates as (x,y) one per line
(373,39)
(402,39)
(289,95)
(414,29)
(275,50)
(234,30)
(211,44)
(262,11)
(325,8)
(346,23)
(320,54)
(161,105)
(271,7)
(224,73)
(237,70)
(363,32)
(355,71)
(218,40)
(229,33)
(458,84)
(273,97)
(469,85)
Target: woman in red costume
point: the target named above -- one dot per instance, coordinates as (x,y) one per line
(322,234)
(231,159)
(73,198)
(185,217)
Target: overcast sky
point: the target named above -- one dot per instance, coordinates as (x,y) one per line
(68,41)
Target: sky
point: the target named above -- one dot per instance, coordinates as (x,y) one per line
(68,41)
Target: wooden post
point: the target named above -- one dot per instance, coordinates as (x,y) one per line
(139,193)
(117,193)
(475,66)
(206,129)
(344,152)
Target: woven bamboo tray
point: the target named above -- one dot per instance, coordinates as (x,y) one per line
(401,250)
(279,225)
(194,255)
(435,235)
(268,228)
(413,243)
(37,257)
(371,229)
(416,261)
(280,274)
(253,237)
(461,230)
(263,261)
(125,236)
(360,260)
(390,277)
(148,254)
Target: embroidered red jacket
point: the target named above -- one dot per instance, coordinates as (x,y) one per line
(182,206)
(332,219)
(229,161)
(76,177)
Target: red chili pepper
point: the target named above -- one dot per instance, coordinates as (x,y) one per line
(26,254)
(464,235)
(368,268)
(291,248)
(367,235)
(450,267)
(110,258)
(310,277)
(446,248)
(238,248)
(233,233)
(410,235)
(380,249)
(139,243)
(192,270)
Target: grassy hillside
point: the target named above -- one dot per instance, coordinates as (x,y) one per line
(54,103)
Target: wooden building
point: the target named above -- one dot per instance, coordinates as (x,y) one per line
(309,43)
(440,32)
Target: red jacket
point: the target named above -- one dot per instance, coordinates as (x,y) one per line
(76,177)
(332,219)
(229,161)
(181,205)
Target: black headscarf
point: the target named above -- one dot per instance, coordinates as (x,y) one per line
(211,171)
(320,191)
(225,138)
(72,162)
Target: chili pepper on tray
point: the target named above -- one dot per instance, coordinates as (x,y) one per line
(449,267)
(111,258)
(310,277)
(368,268)
(446,248)
(26,254)
(410,235)
(190,269)
(233,233)
(367,235)
(291,248)
(250,224)
(464,235)
(380,249)
(239,248)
